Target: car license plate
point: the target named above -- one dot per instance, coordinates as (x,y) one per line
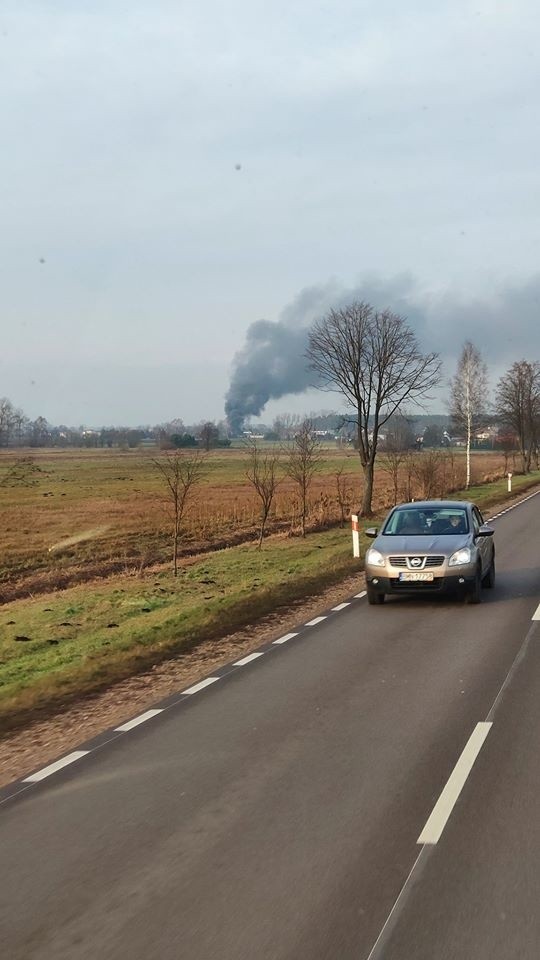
(416,575)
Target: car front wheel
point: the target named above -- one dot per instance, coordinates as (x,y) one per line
(475,591)
(373,597)
(489,579)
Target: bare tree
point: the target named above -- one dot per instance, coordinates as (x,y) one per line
(39,432)
(303,460)
(7,421)
(518,405)
(426,469)
(468,397)
(374,360)
(20,422)
(208,435)
(407,488)
(451,472)
(180,472)
(399,432)
(286,425)
(344,494)
(262,473)
(399,440)
(506,443)
(391,464)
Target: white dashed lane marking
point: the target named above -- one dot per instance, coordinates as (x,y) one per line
(248,659)
(137,720)
(287,636)
(315,621)
(358,596)
(536,614)
(53,767)
(200,686)
(341,606)
(448,798)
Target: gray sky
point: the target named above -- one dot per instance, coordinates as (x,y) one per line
(380,146)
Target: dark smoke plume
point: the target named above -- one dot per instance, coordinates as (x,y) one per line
(504,326)
(270,365)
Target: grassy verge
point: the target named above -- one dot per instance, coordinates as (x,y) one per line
(82,639)
(488,494)
(56,647)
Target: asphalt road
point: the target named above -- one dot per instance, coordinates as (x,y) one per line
(277,812)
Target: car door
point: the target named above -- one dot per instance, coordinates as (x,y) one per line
(483,543)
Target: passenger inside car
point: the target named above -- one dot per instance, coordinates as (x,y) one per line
(411,524)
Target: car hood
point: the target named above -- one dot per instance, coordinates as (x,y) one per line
(445,545)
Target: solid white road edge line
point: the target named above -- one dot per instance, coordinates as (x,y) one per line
(390,916)
(137,720)
(201,685)
(315,621)
(448,798)
(287,636)
(53,767)
(248,659)
(536,614)
(341,606)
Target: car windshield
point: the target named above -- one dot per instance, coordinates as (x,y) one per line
(412,522)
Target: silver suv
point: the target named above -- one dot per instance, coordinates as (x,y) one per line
(432,546)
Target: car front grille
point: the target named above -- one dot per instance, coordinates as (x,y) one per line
(429,561)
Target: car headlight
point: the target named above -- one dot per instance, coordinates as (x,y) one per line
(373,556)
(460,556)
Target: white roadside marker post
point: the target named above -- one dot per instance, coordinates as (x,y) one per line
(509,483)
(355,535)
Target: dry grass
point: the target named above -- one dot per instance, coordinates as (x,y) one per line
(109,504)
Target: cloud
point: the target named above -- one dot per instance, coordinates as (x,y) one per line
(384,136)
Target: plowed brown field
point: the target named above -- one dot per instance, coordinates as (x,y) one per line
(111,505)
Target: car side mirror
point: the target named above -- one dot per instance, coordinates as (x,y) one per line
(371,532)
(486,531)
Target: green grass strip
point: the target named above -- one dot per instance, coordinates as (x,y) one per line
(80,640)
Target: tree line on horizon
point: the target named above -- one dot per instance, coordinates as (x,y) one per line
(373,359)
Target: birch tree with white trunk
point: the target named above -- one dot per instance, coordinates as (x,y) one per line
(469,397)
